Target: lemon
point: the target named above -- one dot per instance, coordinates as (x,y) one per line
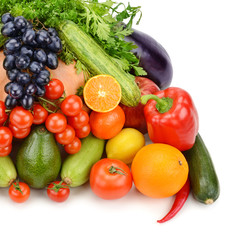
(125,145)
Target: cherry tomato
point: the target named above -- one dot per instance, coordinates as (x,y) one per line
(83,131)
(66,136)
(54,89)
(58,191)
(79,120)
(3,115)
(71,105)
(19,192)
(39,114)
(56,122)
(74,146)
(110,178)
(5,151)
(5,137)
(19,132)
(21,118)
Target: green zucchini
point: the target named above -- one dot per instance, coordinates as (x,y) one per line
(76,167)
(202,174)
(97,61)
(8,173)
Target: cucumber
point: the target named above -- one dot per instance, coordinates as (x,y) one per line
(97,60)
(76,167)
(8,172)
(203,177)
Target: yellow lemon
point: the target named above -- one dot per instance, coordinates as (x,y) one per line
(125,145)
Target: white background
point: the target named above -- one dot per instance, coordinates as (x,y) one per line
(203,41)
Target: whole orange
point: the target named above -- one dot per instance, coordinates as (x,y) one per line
(159,170)
(108,124)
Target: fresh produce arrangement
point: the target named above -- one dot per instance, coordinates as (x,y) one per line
(80,89)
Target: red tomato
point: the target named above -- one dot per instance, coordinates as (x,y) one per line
(110,178)
(58,191)
(19,192)
(5,151)
(66,136)
(5,137)
(3,115)
(71,105)
(79,120)
(83,131)
(21,118)
(39,114)
(74,146)
(19,132)
(56,122)
(54,89)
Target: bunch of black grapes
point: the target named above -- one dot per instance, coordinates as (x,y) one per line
(27,54)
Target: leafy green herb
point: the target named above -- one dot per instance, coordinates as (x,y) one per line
(101,20)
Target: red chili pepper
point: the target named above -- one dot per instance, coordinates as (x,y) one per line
(171,118)
(179,201)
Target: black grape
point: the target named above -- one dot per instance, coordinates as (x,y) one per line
(40,55)
(30,89)
(13,44)
(52,60)
(12,74)
(36,67)
(28,36)
(43,38)
(9,30)
(52,32)
(20,22)
(23,78)
(7,17)
(40,91)
(9,62)
(7,87)
(22,61)
(26,50)
(56,45)
(27,101)
(16,90)
(10,102)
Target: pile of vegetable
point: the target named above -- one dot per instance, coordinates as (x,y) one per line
(90,125)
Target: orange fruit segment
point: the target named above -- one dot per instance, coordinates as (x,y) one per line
(102,93)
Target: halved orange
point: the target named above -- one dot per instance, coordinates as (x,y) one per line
(102,93)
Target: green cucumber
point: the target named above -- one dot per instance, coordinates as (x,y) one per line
(202,174)
(8,172)
(76,167)
(97,61)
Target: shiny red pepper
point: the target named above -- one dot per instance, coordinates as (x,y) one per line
(171,118)
(180,199)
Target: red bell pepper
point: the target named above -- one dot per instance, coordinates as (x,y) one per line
(171,118)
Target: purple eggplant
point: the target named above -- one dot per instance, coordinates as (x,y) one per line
(153,58)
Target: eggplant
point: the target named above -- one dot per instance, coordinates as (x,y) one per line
(153,58)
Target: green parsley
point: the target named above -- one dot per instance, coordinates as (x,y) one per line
(103,21)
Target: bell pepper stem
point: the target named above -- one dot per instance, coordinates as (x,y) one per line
(163,104)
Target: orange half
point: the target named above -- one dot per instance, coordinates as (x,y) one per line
(102,93)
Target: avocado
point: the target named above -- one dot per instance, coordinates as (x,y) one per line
(38,160)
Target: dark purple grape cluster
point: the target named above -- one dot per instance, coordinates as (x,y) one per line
(27,54)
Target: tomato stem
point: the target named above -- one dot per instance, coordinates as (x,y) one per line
(57,186)
(43,102)
(17,187)
(113,170)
